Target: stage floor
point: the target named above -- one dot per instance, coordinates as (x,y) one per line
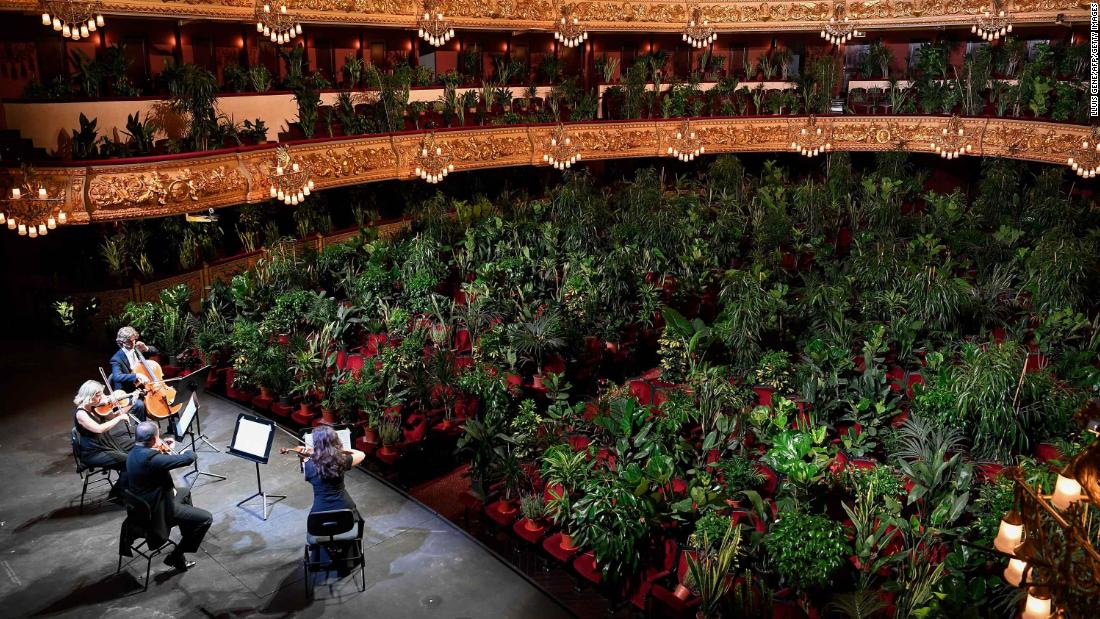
(57,562)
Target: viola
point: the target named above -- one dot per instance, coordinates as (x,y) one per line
(159,395)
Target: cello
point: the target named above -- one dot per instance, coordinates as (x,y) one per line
(159,395)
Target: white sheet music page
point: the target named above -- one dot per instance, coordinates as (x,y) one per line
(252,437)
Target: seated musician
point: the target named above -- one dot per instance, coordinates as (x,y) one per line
(149,469)
(123,363)
(328,460)
(96,446)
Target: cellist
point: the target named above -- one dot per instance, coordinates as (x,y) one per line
(123,363)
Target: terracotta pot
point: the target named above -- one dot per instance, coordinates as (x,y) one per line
(303,409)
(265,393)
(681,592)
(532,525)
(329,416)
(566,542)
(370,435)
(389,450)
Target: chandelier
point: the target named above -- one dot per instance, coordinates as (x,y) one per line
(685,146)
(31,210)
(952,140)
(74,19)
(1050,540)
(994,24)
(431,25)
(1086,161)
(812,140)
(432,164)
(568,30)
(698,32)
(839,30)
(279,26)
(561,153)
(290,182)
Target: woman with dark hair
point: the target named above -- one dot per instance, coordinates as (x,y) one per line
(325,470)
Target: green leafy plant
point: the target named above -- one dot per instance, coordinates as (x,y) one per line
(806,549)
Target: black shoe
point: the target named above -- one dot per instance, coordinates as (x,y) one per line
(179,562)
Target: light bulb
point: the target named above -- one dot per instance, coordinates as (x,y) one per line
(15,192)
(1037,606)
(83,31)
(42,230)
(274,192)
(65,32)
(1010,534)
(2,218)
(1014,573)
(1066,491)
(91,25)
(41,193)
(99,20)
(62,217)
(51,223)
(22,230)
(46,21)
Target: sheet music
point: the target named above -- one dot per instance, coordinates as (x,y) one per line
(187,415)
(343,434)
(252,437)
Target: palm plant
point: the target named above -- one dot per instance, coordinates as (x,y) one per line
(536,334)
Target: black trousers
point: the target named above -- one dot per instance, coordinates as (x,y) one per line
(192,521)
(138,409)
(113,459)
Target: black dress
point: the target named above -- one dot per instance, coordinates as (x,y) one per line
(329,494)
(100,449)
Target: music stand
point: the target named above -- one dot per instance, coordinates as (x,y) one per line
(252,437)
(189,415)
(192,385)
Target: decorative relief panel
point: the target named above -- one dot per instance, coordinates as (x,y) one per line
(170,187)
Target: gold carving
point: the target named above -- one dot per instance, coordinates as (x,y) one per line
(155,188)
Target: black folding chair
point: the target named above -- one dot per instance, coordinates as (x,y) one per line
(88,472)
(135,534)
(333,532)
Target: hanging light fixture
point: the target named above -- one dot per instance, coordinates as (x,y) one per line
(276,23)
(839,30)
(432,163)
(813,139)
(993,24)
(568,29)
(431,26)
(74,19)
(30,209)
(1057,561)
(561,153)
(952,140)
(290,182)
(1086,161)
(685,146)
(698,31)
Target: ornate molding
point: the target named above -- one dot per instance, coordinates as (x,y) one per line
(168,187)
(188,184)
(636,15)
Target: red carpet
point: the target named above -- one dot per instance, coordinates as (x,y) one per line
(441,494)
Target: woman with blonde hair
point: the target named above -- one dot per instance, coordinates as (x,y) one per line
(96,447)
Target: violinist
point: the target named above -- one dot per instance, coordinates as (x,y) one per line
(96,445)
(324,469)
(149,469)
(123,363)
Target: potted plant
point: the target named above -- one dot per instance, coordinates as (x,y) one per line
(772,374)
(533,508)
(389,432)
(709,569)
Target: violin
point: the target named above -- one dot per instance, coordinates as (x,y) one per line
(159,396)
(117,402)
(163,447)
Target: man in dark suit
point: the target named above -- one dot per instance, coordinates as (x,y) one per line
(122,366)
(148,471)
